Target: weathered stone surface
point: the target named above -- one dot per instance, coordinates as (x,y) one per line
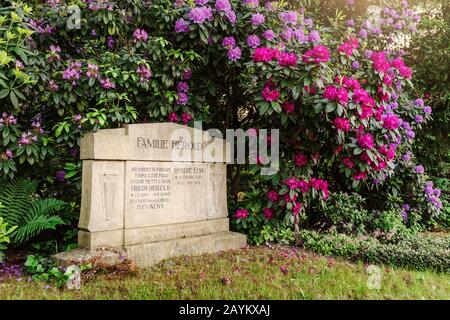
(101,256)
(147,255)
(155,142)
(173,192)
(160,186)
(172,231)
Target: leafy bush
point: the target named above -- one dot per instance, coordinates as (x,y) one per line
(4,235)
(420,252)
(338,90)
(329,243)
(347,213)
(31,215)
(430,48)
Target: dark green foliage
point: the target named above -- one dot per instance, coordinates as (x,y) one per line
(418,252)
(347,212)
(29,213)
(430,56)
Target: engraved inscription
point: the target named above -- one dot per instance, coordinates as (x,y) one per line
(153,187)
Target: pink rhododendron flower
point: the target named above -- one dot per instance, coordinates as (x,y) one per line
(269,213)
(273,195)
(186,117)
(241,214)
(348,162)
(291,183)
(107,84)
(173,117)
(360,175)
(365,141)
(300,160)
(316,55)
(303,186)
(389,152)
(379,62)
(296,208)
(287,59)
(338,94)
(265,54)
(342,124)
(391,121)
(270,93)
(330,93)
(399,64)
(144,73)
(351,83)
(288,107)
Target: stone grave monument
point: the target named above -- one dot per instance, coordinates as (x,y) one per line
(153,191)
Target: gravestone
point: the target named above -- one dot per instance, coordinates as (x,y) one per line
(155,191)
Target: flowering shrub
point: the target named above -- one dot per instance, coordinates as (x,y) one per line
(341,95)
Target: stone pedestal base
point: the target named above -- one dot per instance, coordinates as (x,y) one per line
(147,255)
(106,257)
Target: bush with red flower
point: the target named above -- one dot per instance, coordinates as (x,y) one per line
(340,94)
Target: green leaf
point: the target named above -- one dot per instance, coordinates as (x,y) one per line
(4,93)
(14,100)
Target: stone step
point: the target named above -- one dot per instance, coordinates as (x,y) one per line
(147,255)
(117,238)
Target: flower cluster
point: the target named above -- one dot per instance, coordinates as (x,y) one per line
(432,194)
(73,72)
(144,73)
(7,120)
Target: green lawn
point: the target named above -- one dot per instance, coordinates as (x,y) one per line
(253,273)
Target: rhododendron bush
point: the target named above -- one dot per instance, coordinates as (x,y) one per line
(339,91)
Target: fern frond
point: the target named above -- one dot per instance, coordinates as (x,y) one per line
(35,226)
(43,207)
(16,197)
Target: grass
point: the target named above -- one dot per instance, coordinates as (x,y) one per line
(254,273)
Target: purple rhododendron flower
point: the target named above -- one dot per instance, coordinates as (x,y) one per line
(200,14)
(314,36)
(419,169)
(229,42)
(258,19)
(60,175)
(181,26)
(269,35)
(234,54)
(253,41)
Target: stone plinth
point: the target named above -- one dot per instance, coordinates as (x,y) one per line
(155,190)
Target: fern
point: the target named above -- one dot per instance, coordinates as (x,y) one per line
(16,197)
(30,214)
